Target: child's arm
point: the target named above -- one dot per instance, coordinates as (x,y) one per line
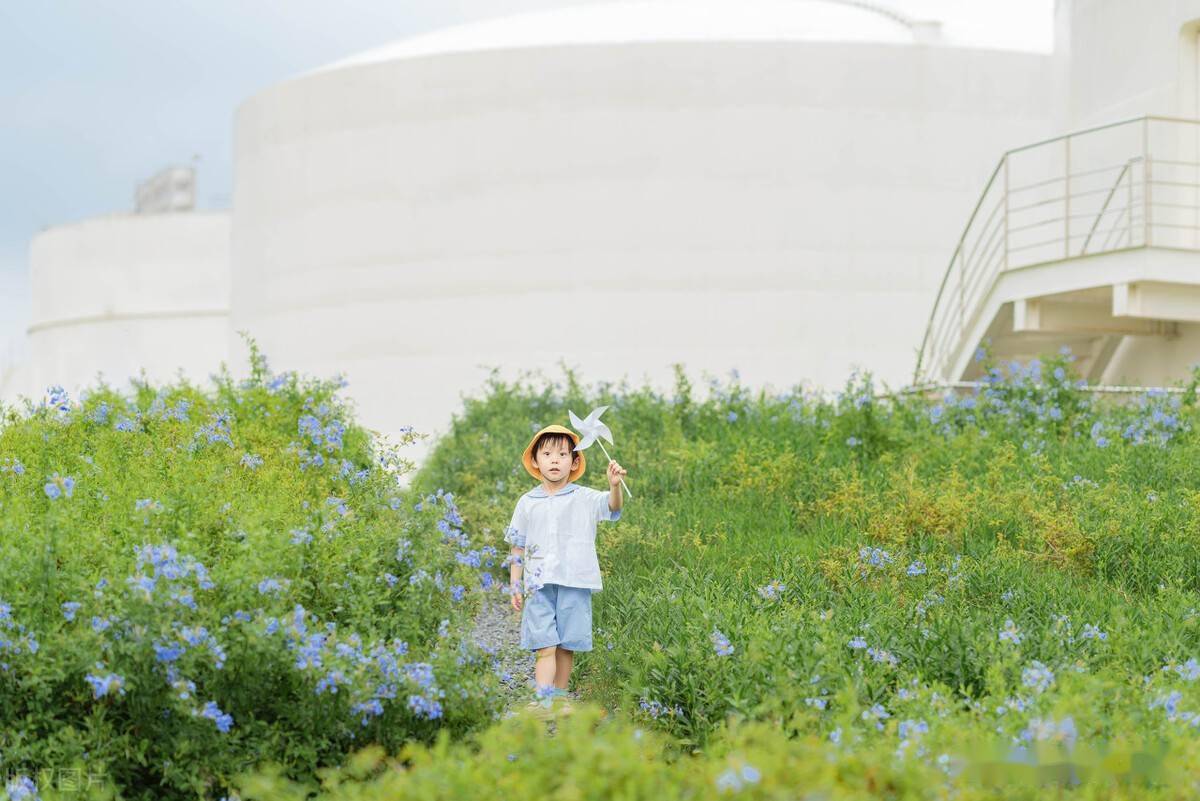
(515,567)
(615,497)
(515,535)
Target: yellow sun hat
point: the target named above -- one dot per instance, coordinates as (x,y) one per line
(527,457)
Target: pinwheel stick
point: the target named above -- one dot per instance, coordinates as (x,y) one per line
(623,484)
(593,430)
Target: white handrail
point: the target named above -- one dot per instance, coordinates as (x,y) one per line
(991,245)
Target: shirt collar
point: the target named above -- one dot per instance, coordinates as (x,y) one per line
(540,492)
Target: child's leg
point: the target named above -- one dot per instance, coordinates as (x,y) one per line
(545,667)
(564,659)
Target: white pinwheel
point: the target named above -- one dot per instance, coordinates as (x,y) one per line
(592,430)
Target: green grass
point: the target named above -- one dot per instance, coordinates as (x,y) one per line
(740,490)
(982,596)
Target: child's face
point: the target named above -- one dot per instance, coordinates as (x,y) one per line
(555,460)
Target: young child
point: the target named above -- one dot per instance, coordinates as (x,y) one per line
(555,523)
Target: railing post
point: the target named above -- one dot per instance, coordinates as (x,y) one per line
(1129,212)
(962,312)
(1146,180)
(1006,212)
(1067,199)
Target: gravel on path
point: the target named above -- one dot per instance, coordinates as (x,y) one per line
(498,629)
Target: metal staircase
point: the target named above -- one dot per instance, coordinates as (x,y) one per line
(1058,250)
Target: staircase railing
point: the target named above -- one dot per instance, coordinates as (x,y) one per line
(1044,202)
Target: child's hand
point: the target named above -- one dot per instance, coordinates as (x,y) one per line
(615,471)
(517,600)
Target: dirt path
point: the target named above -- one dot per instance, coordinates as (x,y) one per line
(498,627)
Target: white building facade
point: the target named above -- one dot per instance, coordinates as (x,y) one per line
(776,187)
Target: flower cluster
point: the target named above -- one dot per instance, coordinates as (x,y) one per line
(1047,729)
(656,709)
(773,590)
(215,430)
(22,788)
(321,433)
(14,637)
(1156,421)
(104,684)
(59,486)
(872,559)
(1037,677)
(733,780)
(211,711)
(1010,632)
(876,714)
(721,643)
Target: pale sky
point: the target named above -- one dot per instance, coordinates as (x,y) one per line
(100,94)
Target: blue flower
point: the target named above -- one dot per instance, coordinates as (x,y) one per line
(421,673)
(330,682)
(368,709)
(143,583)
(57,486)
(721,643)
(1010,633)
(69,608)
(212,712)
(732,416)
(103,685)
(917,568)
(734,780)
(58,399)
(424,707)
(22,788)
(876,713)
(874,557)
(773,590)
(167,653)
(882,656)
(1037,677)
(272,585)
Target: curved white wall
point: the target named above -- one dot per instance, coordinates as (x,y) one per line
(14,380)
(1126,60)
(783,208)
(1131,58)
(116,294)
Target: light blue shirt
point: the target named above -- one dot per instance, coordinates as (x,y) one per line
(558,533)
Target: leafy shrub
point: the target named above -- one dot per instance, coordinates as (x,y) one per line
(801,560)
(192,581)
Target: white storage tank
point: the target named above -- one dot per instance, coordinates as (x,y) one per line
(769,186)
(116,295)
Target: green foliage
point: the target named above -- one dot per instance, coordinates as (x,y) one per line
(193,581)
(591,755)
(935,559)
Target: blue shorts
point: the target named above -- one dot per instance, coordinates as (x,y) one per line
(557,615)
